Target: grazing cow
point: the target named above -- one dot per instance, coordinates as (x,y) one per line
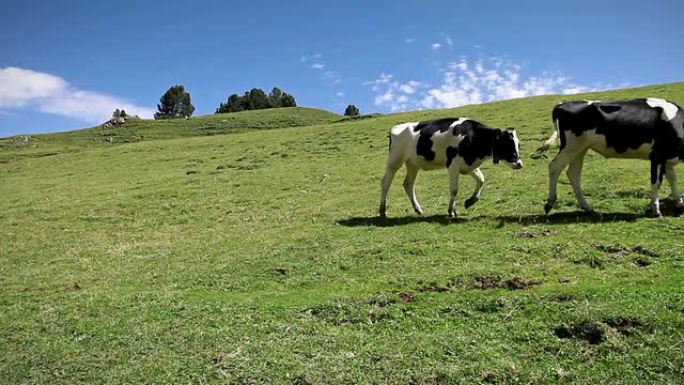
(458,144)
(639,129)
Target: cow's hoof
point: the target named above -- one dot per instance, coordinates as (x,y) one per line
(654,212)
(547,208)
(418,211)
(452,214)
(587,208)
(471,201)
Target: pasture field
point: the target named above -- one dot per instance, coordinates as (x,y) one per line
(168,256)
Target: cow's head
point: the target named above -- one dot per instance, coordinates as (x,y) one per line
(507,149)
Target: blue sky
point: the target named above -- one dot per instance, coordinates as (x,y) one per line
(68,64)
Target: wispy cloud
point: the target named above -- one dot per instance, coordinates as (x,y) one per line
(436,46)
(309,58)
(410,40)
(448,40)
(471,82)
(397,96)
(23,88)
(318,63)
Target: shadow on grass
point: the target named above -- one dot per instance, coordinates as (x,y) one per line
(554,218)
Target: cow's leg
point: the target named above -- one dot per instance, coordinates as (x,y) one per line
(410,187)
(656,180)
(557,165)
(392,168)
(453,189)
(671,175)
(575,175)
(479,181)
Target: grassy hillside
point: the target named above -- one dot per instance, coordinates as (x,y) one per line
(140,129)
(256,257)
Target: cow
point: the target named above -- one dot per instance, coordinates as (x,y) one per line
(650,129)
(458,144)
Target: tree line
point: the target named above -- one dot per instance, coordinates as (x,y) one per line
(256,99)
(176,102)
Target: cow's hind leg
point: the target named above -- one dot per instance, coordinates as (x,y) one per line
(575,175)
(557,165)
(657,171)
(479,181)
(392,168)
(671,176)
(410,187)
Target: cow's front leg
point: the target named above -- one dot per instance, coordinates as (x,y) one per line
(410,187)
(656,180)
(453,189)
(671,175)
(479,181)
(575,176)
(392,167)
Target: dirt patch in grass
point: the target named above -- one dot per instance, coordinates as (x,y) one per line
(433,287)
(625,325)
(350,314)
(591,261)
(640,256)
(596,332)
(382,299)
(562,297)
(437,287)
(495,282)
(535,234)
(642,261)
(74,287)
(625,250)
(590,331)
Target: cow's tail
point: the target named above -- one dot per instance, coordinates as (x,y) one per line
(551,141)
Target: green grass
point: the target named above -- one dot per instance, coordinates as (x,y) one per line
(256,257)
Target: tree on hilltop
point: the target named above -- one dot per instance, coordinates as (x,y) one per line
(351,110)
(175,103)
(256,99)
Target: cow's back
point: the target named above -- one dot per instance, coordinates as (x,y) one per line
(624,128)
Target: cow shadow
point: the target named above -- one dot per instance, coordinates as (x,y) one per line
(378,221)
(573,217)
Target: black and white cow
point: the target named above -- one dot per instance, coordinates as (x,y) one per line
(639,129)
(458,144)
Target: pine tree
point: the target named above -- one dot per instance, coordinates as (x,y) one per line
(275,97)
(175,103)
(287,100)
(233,104)
(351,110)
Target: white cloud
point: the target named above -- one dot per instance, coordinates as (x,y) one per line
(51,94)
(436,46)
(449,41)
(470,82)
(306,58)
(410,40)
(393,94)
(318,66)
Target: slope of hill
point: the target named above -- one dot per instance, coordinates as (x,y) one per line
(144,129)
(256,257)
